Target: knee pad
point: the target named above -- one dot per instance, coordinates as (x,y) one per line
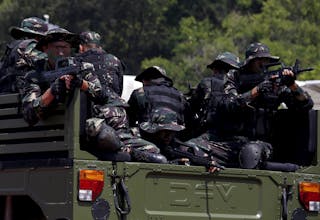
(108,139)
(250,155)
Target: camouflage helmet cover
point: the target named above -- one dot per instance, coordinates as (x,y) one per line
(152,72)
(30,27)
(162,119)
(226,59)
(88,37)
(258,50)
(58,34)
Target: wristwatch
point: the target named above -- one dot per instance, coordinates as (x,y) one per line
(37,104)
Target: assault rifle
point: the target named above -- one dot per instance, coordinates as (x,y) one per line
(67,66)
(194,159)
(276,75)
(272,71)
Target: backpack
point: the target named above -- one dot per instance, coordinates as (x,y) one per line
(14,64)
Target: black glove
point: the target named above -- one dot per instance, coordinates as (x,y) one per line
(265,87)
(76,82)
(58,87)
(288,80)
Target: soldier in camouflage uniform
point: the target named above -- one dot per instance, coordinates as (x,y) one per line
(161,130)
(251,101)
(40,96)
(110,117)
(21,55)
(107,66)
(211,87)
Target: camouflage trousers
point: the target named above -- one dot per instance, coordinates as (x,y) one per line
(221,152)
(127,139)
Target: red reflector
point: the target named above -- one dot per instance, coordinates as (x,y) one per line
(309,194)
(90,181)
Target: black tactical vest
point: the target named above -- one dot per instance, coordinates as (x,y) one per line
(107,67)
(161,95)
(216,92)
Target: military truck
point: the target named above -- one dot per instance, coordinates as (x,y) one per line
(46,172)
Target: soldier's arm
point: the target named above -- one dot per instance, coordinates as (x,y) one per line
(34,104)
(92,86)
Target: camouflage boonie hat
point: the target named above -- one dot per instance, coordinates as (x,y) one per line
(30,27)
(225,59)
(90,37)
(162,119)
(152,72)
(258,50)
(59,34)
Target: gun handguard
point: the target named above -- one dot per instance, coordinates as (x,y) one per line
(67,66)
(174,152)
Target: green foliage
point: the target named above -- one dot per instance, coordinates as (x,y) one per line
(183,36)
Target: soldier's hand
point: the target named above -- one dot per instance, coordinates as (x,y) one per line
(76,82)
(288,78)
(265,87)
(213,168)
(58,87)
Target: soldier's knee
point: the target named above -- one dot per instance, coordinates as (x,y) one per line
(254,153)
(106,138)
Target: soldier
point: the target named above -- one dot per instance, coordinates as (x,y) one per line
(201,102)
(40,96)
(21,55)
(110,117)
(157,91)
(161,130)
(108,67)
(251,101)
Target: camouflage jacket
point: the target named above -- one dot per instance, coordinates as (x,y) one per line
(108,68)
(34,87)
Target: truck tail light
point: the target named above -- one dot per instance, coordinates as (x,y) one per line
(309,194)
(90,184)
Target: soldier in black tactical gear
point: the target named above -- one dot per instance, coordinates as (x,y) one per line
(20,55)
(201,102)
(251,100)
(157,91)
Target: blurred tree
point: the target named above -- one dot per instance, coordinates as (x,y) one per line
(182,35)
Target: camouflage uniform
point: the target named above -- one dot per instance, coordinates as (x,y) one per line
(164,119)
(21,55)
(34,85)
(107,66)
(111,114)
(201,103)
